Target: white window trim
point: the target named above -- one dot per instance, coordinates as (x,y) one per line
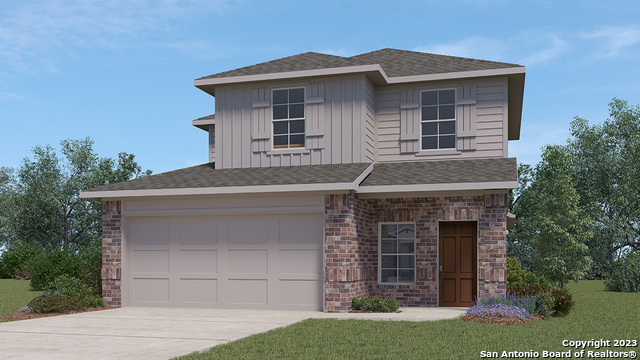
(452,150)
(288,149)
(380,282)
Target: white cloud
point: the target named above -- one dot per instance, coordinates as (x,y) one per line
(472,47)
(7,97)
(527,48)
(34,35)
(614,40)
(546,47)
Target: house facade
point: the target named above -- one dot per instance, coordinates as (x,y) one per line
(381,174)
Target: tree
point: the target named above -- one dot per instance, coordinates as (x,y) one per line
(607,175)
(522,203)
(563,228)
(41,203)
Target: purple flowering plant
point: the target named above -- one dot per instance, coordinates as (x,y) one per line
(499,310)
(526,302)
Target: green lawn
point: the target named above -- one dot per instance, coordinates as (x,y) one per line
(596,315)
(14,294)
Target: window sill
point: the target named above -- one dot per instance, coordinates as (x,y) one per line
(438,152)
(289,151)
(397,283)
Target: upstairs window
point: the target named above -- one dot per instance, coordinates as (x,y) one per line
(288,118)
(438,121)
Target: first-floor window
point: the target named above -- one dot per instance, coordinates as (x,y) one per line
(396,249)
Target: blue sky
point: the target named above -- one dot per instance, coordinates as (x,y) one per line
(122,71)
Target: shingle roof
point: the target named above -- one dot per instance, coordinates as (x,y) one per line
(443,172)
(394,63)
(206,176)
(407,173)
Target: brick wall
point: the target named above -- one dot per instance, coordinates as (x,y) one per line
(351,245)
(112,253)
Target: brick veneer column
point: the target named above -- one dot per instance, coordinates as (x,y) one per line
(112,253)
(346,249)
(492,246)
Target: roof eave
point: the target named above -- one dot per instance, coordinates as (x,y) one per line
(516,98)
(493,185)
(374,72)
(204,123)
(457,75)
(228,190)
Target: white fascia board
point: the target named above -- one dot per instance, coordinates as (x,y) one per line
(438,187)
(292,75)
(219,190)
(457,75)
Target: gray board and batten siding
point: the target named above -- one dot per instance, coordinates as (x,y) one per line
(481,121)
(349,120)
(339,127)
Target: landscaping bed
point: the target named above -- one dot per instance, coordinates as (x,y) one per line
(31,315)
(498,320)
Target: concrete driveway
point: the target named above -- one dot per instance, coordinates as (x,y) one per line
(159,333)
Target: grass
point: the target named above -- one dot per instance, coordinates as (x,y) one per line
(14,294)
(596,315)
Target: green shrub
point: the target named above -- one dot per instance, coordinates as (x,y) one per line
(14,260)
(375,304)
(625,276)
(562,302)
(517,276)
(53,303)
(66,285)
(50,264)
(84,265)
(549,302)
(90,270)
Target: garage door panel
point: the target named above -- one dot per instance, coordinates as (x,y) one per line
(247,261)
(151,290)
(300,293)
(248,291)
(199,291)
(299,262)
(248,230)
(154,261)
(198,261)
(201,230)
(151,232)
(300,229)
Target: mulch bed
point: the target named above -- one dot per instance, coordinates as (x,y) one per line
(500,320)
(26,315)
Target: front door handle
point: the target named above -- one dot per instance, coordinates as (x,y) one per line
(440,268)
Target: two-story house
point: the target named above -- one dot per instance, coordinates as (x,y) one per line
(330,177)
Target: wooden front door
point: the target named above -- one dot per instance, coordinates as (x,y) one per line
(458,262)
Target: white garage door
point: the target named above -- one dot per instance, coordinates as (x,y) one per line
(235,261)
